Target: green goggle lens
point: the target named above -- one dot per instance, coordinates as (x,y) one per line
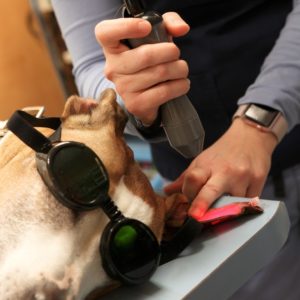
(131,250)
(125,239)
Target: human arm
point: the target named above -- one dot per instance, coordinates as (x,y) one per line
(239,162)
(278,84)
(144,78)
(77,20)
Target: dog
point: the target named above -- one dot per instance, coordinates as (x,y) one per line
(48,251)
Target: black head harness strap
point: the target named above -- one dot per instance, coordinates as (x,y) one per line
(22,125)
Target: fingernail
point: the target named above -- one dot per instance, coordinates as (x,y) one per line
(176,20)
(196,213)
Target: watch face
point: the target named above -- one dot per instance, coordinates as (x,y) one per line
(261,115)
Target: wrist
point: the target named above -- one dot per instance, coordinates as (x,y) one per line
(253,136)
(152,131)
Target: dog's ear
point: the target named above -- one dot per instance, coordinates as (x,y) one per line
(111,110)
(101,113)
(76,105)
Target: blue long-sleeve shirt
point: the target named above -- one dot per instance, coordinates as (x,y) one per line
(277,85)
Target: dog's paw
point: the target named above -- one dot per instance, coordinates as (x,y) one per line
(177,206)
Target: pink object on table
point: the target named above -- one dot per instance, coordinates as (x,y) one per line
(231,211)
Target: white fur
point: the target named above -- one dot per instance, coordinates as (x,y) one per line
(40,253)
(131,205)
(55,256)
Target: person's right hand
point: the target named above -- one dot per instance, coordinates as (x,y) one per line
(149,75)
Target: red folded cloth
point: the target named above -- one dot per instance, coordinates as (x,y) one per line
(231,211)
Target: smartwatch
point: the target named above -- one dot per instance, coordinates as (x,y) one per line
(264,118)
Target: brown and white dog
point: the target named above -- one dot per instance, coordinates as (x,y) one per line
(48,251)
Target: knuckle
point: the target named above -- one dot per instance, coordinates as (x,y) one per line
(108,72)
(145,56)
(180,87)
(259,175)
(184,67)
(193,176)
(238,171)
(98,29)
(132,107)
(186,86)
(242,170)
(161,71)
(121,89)
(174,50)
(121,84)
(217,190)
(163,93)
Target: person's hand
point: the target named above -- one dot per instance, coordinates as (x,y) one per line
(237,164)
(149,75)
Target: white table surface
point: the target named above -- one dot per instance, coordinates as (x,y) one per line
(220,260)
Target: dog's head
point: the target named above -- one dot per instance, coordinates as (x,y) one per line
(48,251)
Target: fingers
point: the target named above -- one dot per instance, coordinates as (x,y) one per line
(159,94)
(140,58)
(109,33)
(211,190)
(155,74)
(203,187)
(175,25)
(194,182)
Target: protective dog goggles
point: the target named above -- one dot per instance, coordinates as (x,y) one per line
(78,179)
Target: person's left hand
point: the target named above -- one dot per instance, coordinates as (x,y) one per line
(237,164)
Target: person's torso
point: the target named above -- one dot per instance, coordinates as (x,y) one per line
(225,49)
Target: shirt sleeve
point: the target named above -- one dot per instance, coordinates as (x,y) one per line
(77,20)
(278,84)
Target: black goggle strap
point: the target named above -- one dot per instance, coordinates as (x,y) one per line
(182,238)
(111,210)
(22,125)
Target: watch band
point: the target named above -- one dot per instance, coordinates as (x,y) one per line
(264,118)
